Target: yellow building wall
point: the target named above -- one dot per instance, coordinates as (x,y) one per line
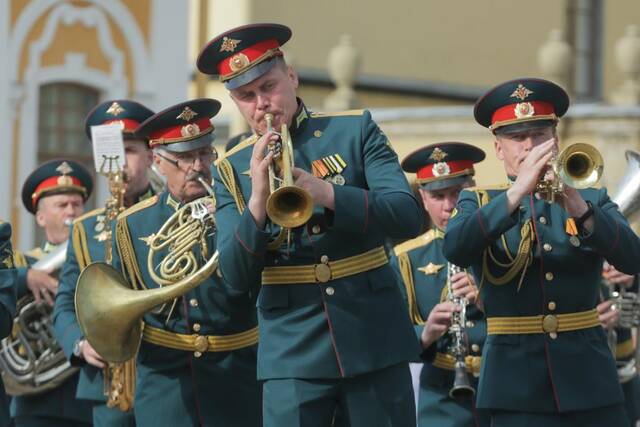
(457,41)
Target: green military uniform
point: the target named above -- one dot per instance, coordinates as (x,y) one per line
(546,359)
(423,270)
(333,328)
(7,303)
(59,405)
(87,246)
(197,361)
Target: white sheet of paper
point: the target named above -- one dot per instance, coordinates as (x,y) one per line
(108,148)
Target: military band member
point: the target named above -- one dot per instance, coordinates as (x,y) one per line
(7,303)
(197,361)
(333,328)
(55,193)
(625,347)
(88,245)
(442,171)
(546,359)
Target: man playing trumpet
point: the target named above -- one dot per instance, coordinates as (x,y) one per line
(546,360)
(333,328)
(197,360)
(88,245)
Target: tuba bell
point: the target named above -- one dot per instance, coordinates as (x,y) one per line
(31,359)
(578,166)
(288,205)
(110,313)
(627,197)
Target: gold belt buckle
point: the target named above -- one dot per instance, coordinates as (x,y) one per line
(322,272)
(550,323)
(201,343)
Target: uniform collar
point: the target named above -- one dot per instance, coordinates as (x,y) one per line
(437,233)
(173,203)
(49,247)
(300,118)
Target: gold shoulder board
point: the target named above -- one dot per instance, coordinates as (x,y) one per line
(416,242)
(337,113)
(89,214)
(247,142)
(139,206)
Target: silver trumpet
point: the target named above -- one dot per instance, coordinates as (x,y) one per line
(458,347)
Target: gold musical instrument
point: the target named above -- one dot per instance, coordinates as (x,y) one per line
(458,347)
(578,166)
(110,312)
(119,379)
(31,359)
(288,205)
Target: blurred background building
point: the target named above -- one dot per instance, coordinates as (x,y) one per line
(418,64)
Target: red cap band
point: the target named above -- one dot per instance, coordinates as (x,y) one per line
(128,124)
(55,182)
(246,57)
(522,111)
(188,130)
(443,169)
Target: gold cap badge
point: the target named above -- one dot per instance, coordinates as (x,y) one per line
(64,169)
(238,62)
(229,45)
(191,129)
(521,92)
(115,109)
(187,114)
(438,155)
(523,109)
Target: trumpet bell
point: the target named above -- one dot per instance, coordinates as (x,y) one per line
(580,166)
(104,313)
(289,206)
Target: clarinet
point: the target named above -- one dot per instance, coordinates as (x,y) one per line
(458,345)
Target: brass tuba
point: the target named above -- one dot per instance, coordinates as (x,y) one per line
(110,312)
(578,166)
(31,360)
(288,205)
(627,197)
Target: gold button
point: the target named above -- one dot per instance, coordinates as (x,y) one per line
(330,291)
(197,353)
(552,305)
(475,348)
(470,324)
(548,275)
(201,343)
(193,302)
(196,327)
(543,220)
(315,229)
(553,335)
(317,133)
(324,259)
(550,323)
(547,247)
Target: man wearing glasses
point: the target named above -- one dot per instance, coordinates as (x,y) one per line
(197,361)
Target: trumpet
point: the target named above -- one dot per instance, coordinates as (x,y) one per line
(110,313)
(458,347)
(578,166)
(288,205)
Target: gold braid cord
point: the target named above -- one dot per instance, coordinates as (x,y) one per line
(516,265)
(225,170)
(407,277)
